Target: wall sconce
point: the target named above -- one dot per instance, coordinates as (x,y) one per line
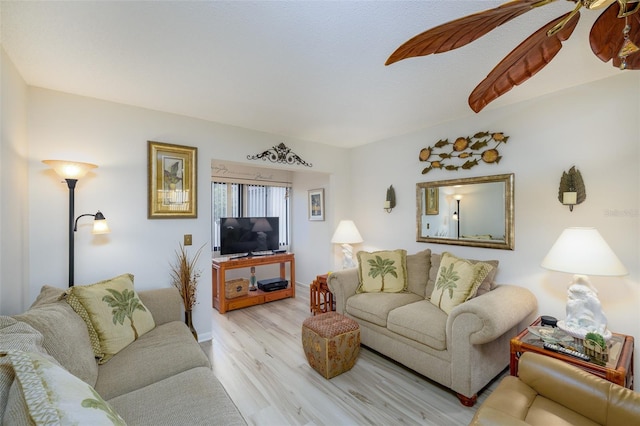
(71,171)
(390,201)
(572,190)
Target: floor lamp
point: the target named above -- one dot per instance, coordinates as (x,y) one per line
(71,171)
(456,214)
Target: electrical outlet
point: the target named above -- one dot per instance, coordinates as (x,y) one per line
(187,239)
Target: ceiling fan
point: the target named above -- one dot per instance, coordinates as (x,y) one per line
(613,36)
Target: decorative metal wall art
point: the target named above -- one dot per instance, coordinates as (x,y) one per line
(280,154)
(468,150)
(572,190)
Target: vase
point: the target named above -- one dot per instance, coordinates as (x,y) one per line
(188,319)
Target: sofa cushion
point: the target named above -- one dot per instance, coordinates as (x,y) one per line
(54,396)
(375,307)
(487,284)
(457,281)
(418,266)
(113,312)
(420,321)
(65,335)
(382,271)
(166,350)
(193,397)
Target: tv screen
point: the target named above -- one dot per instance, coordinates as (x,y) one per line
(249,234)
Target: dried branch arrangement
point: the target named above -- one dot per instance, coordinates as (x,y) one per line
(184,276)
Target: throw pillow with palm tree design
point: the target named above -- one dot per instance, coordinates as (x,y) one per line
(457,281)
(114,314)
(382,271)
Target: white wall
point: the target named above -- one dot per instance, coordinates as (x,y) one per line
(311,239)
(594,127)
(13,188)
(114,137)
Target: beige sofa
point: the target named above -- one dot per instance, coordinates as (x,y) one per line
(162,378)
(551,392)
(463,350)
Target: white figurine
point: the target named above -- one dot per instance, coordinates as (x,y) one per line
(584,311)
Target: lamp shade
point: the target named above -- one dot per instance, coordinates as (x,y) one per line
(346,233)
(100,225)
(69,169)
(583,251)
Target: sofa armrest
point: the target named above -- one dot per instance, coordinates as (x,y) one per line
(593,397)
(343,284)
(492,314)
(165,304)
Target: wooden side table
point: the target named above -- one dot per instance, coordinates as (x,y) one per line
(320,298)
(619,368)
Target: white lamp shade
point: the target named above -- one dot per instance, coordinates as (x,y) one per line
(346,233)
(100,227)
(69,169)
(583,251)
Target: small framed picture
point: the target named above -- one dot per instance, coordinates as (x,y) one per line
(316,204)
(171,181)
(432,200)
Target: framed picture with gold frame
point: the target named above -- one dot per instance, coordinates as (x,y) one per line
(172,184)
(432,200)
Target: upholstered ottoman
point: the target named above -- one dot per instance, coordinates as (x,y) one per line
(331,343)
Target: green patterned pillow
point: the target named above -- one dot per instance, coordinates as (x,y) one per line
(114,314)
(55,396)
(457,281)
(382,271)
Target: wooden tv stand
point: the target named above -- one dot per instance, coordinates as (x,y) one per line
(220,265)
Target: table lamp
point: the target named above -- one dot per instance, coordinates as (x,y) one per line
(347,234)
(583,252)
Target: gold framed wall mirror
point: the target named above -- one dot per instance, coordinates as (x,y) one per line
(475,212)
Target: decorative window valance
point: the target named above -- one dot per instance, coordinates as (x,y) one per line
(230,172)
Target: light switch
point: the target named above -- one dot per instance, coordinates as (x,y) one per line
(187,239)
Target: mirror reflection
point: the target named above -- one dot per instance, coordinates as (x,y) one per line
(470,211)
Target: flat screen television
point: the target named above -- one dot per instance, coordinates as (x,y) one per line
(249,234)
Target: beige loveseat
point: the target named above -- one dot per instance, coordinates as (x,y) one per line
(552,392)
(162,378)
(463,350)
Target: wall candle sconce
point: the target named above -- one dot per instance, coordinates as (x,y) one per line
(390,200)
(71,171)
(572,190)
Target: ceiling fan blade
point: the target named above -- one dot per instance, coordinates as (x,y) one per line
(606,37)
(522,63)
(462,31)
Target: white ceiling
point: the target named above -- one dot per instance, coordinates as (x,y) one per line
(311,70)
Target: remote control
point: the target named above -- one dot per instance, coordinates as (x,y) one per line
(556,348)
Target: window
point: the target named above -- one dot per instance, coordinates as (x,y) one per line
(237,199)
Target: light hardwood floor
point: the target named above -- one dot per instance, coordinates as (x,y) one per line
(257,354)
